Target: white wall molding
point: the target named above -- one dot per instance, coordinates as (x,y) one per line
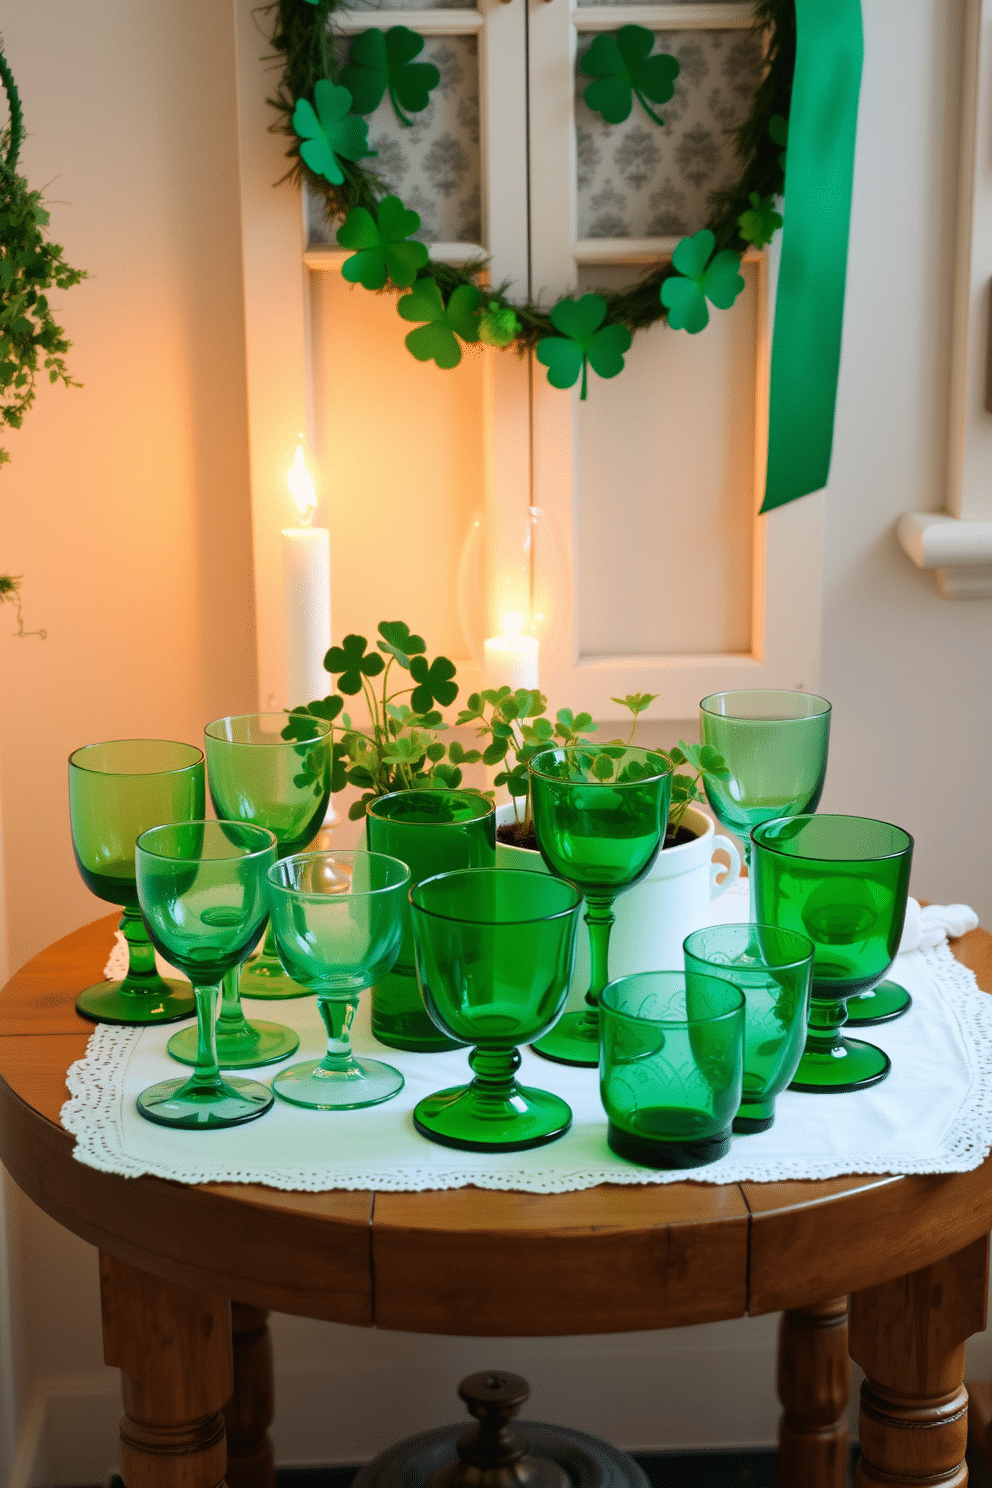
(957,552)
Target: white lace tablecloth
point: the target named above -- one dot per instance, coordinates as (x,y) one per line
(932,1115)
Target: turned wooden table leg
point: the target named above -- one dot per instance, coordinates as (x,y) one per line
(248,1414)
(909,1337)
(814,1381)
(173,1348)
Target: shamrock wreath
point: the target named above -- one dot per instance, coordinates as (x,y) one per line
(321,103)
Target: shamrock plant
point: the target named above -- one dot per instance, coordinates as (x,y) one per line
(760,224)
(624,71)
(583,342)
(437,339)
(384,63)
(701,275)
(498,324)
(330,132)
(383,247)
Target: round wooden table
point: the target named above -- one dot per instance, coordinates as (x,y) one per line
(912,1254)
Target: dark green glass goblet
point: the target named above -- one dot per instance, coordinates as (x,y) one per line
(599,817)
(843,881)
(495,949)
(273,769)
(671,1066)
(772,968)
(201,886)
(432,831)
(116,791)
(338,923)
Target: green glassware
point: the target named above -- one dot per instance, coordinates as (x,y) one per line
(843,881)
(201,886)
(878,1005)
(599,816)
(495,949)
(772,968)
(116,791)
(775,745)
(273,769)
(671,1066)
(432,831)
(338,923)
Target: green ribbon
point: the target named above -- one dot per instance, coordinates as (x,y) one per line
(809,309)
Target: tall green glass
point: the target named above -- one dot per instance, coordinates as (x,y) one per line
(843,881)
(338,923)
(116,791)
(772,968)
(599,816)
(671,1066)
(432,831)
(201,886)
(495,949)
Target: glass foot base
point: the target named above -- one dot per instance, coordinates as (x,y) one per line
(366,1082)
(127,1004)
(262,1043)
(573,1040)
(266,979)
(461,1118)
(850,1065)
(232,1102)
(883,1003)
(754,1116)
(651,1152)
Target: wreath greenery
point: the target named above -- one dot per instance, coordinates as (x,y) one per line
(314,108)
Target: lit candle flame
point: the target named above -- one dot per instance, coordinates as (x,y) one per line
(300,484)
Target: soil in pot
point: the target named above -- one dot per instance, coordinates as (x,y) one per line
(521,834)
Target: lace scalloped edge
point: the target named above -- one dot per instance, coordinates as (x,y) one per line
(92,1115)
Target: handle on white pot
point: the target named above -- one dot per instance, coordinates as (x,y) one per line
(732,874)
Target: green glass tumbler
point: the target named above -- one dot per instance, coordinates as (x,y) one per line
(432,831)
(843,881)
(338,924)
(201,886)
(599,817)
(671,1067)
(495,949)
(116,791)
(273,769)
(772,968)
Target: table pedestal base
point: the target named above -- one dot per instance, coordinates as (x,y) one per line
(248,1414)
(814,1381)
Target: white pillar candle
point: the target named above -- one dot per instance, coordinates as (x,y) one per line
(306,568)
(512,660)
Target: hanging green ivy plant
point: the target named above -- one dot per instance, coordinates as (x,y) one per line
(742,216)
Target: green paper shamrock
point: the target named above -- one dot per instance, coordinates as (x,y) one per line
(699,279)
(623,69)
(583,340)
(437,341)
(434,683)
(383,250)
(759,225)
(778,128)
(330,131)
(385,61)
(498,325)
(351,661)
(399,643)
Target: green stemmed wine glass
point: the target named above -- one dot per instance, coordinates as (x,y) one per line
(495,949)
(599,817)
(116,791)
(338,923)
(842,881)
(201,886)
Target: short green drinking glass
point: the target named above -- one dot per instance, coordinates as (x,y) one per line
(599,816)
(273,769)
(338,923)
(843,881)
(671,1066)
(495,949)
(432,831)
(772,968)
(116,791)
(201,886)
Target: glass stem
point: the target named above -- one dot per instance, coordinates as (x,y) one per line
(826,1019)
(338,1016)
(231,1021)
(206,1074)
(141,952)
(599,918)
(494,1071)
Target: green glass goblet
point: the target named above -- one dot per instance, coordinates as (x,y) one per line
(878,1005)
(671,1066)
(599,817)
(273,769)
(842,881)
(772,968)
(432,831)
(201,886)
(338,922)
(116,791)
(495,949)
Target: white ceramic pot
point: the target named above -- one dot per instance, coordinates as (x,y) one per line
(655,916)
